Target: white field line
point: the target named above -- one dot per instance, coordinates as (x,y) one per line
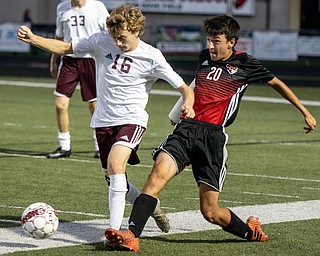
(13,239)
(271,195)
(150,166)
(44,157)
(80,232)
(309,188)
(167,92)
(58,211)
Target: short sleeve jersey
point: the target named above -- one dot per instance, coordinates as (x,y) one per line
(220,85)
(80,22)
(124,79)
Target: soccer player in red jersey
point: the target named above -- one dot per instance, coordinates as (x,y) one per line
(221,79)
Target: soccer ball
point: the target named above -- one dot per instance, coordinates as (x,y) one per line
(39,220)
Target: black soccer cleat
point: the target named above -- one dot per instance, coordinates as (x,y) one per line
(59,153)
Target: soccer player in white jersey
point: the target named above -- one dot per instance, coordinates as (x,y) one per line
(75,18)
(127,67)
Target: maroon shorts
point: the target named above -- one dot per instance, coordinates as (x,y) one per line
(128,135)
(77,70)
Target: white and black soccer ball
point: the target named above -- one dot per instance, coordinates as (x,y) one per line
(39,220)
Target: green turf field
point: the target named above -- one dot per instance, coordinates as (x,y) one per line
(271,161)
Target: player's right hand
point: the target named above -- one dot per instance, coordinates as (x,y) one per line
(25,34)
(311,122)
(187,111)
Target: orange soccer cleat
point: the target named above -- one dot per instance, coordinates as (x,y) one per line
(122,239)
(258,234)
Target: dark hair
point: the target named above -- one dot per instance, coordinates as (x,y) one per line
(222,25)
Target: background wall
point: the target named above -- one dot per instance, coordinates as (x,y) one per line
(298,16)
(43,11)
(269,14)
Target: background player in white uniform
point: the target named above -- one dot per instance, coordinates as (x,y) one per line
(127,68)
(75,18)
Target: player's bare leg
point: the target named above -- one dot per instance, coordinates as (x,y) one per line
(117,160)
(64,149)
(92,106)
(228,220)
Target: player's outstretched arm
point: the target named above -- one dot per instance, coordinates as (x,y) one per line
(289,95)
(49,45)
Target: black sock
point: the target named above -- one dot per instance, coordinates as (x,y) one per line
(142,209)
(237,227)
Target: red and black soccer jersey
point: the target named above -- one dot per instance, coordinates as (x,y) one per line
(220,85)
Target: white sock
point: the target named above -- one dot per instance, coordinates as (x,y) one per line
(117,202)
(64,140)
(96,146)
(132,193)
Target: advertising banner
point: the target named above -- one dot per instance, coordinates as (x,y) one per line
(275,45)
(244,44)
(8,39)
(309,46)
(179,39)
(243,7)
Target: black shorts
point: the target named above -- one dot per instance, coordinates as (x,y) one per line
(203,145)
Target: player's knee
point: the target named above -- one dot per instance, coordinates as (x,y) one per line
(61,108)
(210,215)
(62,103)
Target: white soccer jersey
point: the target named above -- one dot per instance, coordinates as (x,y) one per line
(124,79)
(80,22)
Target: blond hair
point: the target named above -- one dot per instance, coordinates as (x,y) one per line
(126,17)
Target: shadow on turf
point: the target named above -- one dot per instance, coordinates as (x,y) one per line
(18,153)
(9,221)
(102,247)
(19,245)
(14,153)
(195,241)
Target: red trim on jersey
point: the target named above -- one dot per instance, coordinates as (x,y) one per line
(213,98)
(238,52)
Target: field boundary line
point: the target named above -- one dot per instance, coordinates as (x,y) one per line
(187,169)
(168,92)
(83,232)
